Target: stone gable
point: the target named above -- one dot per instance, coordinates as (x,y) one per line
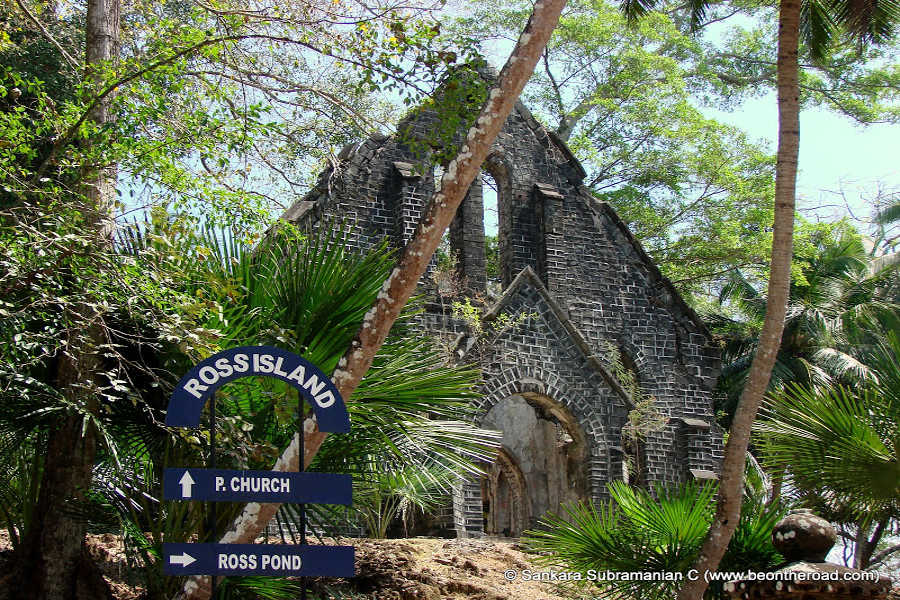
(580,285)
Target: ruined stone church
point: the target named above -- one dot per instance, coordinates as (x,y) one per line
(580,289)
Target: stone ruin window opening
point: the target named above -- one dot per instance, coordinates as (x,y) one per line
(445,273)
(438,174)
(642,419)
(505,499)
(476,234)
(491,200)
(633,467)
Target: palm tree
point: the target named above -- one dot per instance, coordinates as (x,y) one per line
(651,533)
(818,22)
(389,491)
(835,300)
(840,444)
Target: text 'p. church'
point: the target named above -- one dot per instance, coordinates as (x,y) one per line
(586,303)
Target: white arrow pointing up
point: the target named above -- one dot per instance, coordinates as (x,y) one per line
(184,559)
(186,482)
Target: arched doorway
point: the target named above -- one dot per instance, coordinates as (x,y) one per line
(505,498)
(542,466)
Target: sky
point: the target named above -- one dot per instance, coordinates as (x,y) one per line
(835,153)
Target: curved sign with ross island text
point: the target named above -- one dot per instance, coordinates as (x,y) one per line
(206,377)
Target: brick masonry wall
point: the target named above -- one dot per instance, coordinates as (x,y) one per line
(570,263)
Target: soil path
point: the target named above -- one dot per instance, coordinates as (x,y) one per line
(402,569)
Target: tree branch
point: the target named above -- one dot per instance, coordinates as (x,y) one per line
(110,89)
(880,557)
(72,62)
(558,93)
(67,137)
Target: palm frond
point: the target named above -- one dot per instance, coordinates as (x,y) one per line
(697,9)
(741,292)
(264,588)
(637,532)
(889,214)
(869,21)
(817,30)
(635,9)
(841,364)
(833,440)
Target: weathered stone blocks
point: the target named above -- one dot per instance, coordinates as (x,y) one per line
(582,285)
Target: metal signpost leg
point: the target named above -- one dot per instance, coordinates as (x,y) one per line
(302,506)
(212,465)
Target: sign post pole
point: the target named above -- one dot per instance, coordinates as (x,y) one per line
(302,467)
(212,465)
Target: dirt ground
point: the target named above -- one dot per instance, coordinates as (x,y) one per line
(403,569)
(108,551)
(440,569)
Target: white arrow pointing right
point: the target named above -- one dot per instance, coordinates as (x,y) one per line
(184,559)
(186,482)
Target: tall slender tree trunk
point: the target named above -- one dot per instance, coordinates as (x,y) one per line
(54,564)
(732,480)
(401,284)
(101,49)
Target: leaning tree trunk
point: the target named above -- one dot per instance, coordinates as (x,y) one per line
(401,284)
(54,564)
(731,486)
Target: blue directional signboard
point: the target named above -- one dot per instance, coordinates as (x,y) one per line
(280,560)
(228,485)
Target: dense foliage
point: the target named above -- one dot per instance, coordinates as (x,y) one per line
(839,300)
(838,447)
(306,295)
(639,532)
